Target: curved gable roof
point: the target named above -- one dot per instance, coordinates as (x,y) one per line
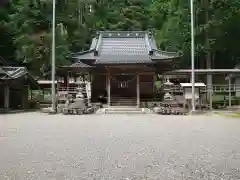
(127,47)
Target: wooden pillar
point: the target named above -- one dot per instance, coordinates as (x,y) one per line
(6,97)
(200,100)
(31,94)
(138,92)
(229,92)
(109,89)
(83,78)
(90,77)
(25,97)
(154,81)
(68,81)
(64,81)
(210,95)
(184,104)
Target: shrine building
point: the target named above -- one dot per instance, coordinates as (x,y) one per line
(121,65)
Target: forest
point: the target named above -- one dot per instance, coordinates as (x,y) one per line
(25,29)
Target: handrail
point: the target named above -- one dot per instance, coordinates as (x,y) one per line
(215,88)
(174,88)
(70,89)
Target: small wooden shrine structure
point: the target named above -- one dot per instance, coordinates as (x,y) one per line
(15,83)
(187,92)
(121,66)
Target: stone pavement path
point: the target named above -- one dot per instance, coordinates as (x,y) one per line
(38,146)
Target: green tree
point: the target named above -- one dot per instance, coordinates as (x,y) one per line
(25,28)
(31,26)
(7,48)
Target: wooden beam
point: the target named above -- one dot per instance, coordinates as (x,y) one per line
(6,96)
(154,82)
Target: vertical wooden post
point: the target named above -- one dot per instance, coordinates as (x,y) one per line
(31,94)
(210,95)
(229,92)
(185,104)
(83,78)
(154,81)
(6,97)
(109,90)
(90,77)
(24,96)
(200,100)
(138,92)
(68,81)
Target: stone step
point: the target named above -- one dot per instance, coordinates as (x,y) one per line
(123,101)
(123,104)
(124,110)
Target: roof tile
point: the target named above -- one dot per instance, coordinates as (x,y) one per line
(124,47)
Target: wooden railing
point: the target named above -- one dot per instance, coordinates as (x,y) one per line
(69,89)
(215,88)
(175,88)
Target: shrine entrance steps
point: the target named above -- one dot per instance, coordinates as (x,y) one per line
(123,101)
(125,110)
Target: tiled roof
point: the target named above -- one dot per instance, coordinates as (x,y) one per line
(113,47)
(9,72)
(79,66)
(13,72)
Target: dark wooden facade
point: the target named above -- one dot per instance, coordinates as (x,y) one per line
(124,81)
(121,65)
(15,83)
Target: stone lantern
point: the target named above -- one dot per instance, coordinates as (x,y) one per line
(167,86)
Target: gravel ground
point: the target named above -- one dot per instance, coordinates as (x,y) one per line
(129,147)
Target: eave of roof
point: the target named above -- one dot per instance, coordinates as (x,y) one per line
(18,72)
(78,65)
(159,54)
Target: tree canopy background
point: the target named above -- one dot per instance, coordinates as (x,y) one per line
(25,28)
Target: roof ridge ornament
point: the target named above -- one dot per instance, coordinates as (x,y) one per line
(99,42)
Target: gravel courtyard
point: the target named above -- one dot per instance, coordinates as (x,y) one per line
(121,147)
